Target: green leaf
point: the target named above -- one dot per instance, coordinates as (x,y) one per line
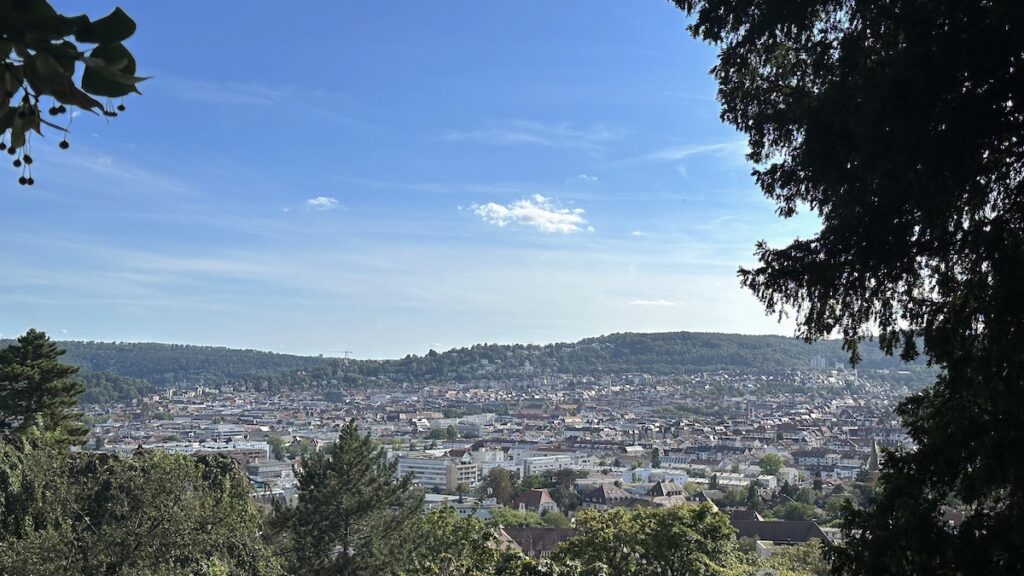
(72,96)
(116,57)
(114,27)
(101,81)
(49,68)
(110,71)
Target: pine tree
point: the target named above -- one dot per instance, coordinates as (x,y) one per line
(353,514)
(38,391)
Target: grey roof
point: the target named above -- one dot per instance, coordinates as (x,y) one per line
(606,493)
(536,541)
(778,531)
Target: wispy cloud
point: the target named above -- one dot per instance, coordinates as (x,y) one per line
(322,203)
(586,178)
(733,148)
(659,302)
(238,93)
(538,212)
(638,233)
(513,132)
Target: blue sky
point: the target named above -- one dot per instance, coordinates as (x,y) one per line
(389,177)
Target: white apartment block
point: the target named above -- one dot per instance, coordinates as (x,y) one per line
(440,473)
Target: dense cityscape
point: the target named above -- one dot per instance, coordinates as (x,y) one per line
(779,453)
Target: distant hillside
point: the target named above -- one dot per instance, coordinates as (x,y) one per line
(168,364)
(672,353)
(125,370)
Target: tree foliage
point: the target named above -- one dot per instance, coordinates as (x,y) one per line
(771,464)
(353,514)
(42,53)
(668,354)
(150,513)
(899,124)
(695,540)
(38,391)
(499,484)
(452,546)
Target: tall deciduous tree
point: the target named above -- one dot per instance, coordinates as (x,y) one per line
(354,514)
(899,123)
(771,464)
(694,540)
(151,513)
(38,391)
(448,545)
(499,484)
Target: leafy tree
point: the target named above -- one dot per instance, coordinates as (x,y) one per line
(753,500)
(532,482)
(499,484)
(40,52)
(353,513)
(693,540)
(515,518)
(451,434)
(37,390)
(452,546)
(795,511)
(906,143)
(805,495)
(277,446)
(554,519)
(771,464)
(836,506)
(656,457)
(798,560)
(299,448)
(562,487)
(150,513)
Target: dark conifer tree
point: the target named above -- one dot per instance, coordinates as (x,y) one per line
(38,391)
(354,514)
(900,124)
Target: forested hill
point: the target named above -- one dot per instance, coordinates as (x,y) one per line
(168,364)
(672,353)
(115,370)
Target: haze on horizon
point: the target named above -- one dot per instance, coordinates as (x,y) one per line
(392,179)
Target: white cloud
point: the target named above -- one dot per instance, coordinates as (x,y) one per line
(321,203)
(537,212)
(659,302)
(586,178)
(560,135)
(638,233)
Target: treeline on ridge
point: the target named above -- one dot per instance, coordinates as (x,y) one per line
(125,371)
